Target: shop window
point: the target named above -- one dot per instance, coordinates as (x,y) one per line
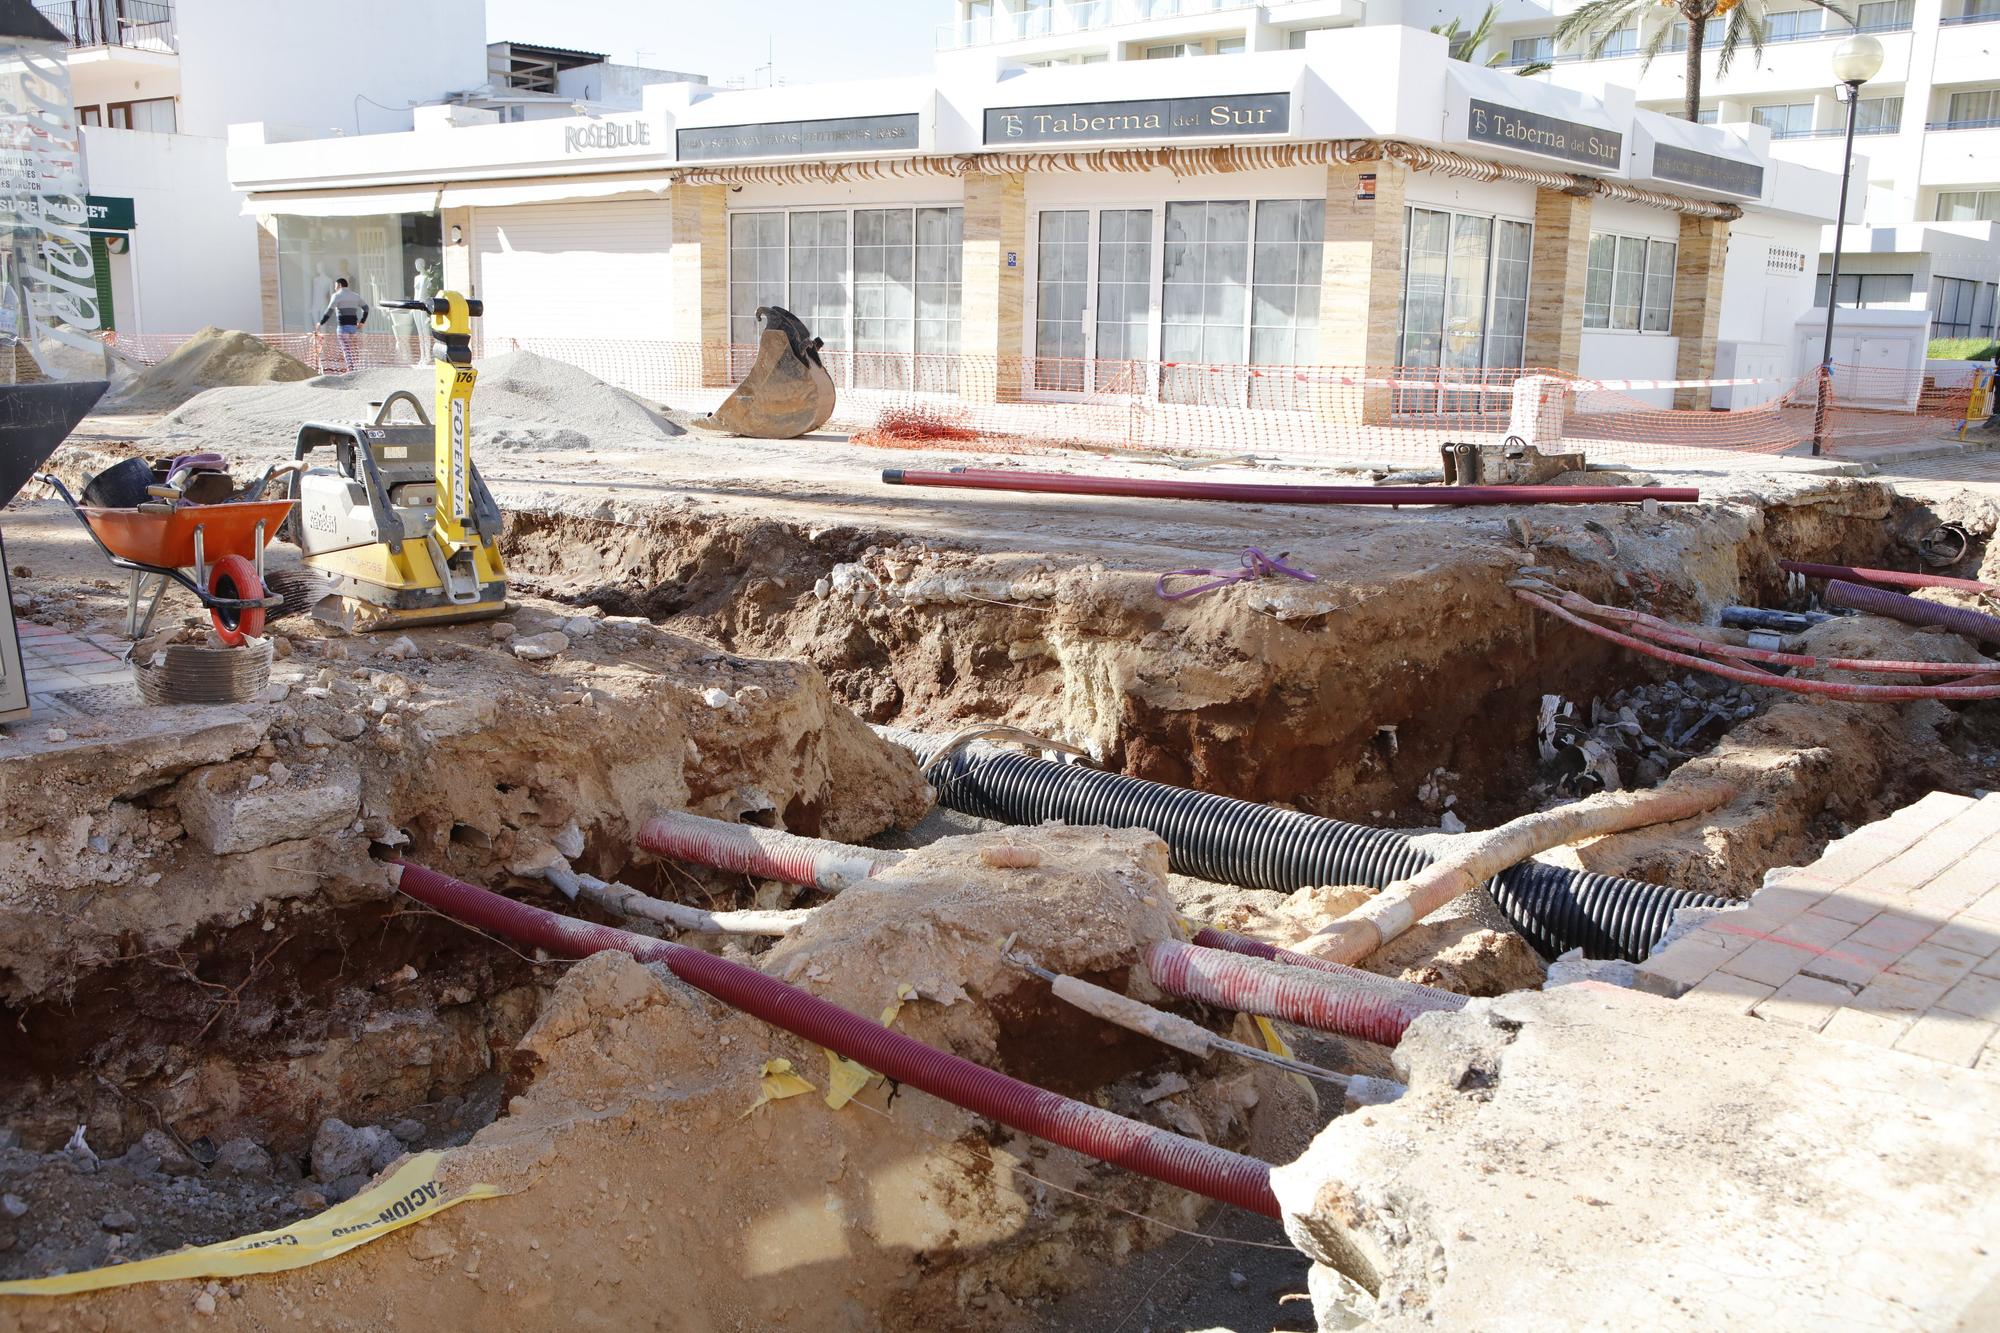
(1204,300)
(154,115)
(819,271)
(1284,282)
(876,285)
(1465,304)
(940,278)
(380,256)
(756,271)
(1968,206)
(1871,291)
(885,293)
(1629,284)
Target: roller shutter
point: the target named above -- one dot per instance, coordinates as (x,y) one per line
(579,270)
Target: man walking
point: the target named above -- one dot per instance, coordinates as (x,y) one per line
(349,314)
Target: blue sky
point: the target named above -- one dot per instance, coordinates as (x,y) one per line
(810,41)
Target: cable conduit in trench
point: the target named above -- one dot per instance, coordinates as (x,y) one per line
(1377,1009)
(1227,841)
(1215,1173)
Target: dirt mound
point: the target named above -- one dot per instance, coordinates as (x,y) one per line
(212,358)
(523,403)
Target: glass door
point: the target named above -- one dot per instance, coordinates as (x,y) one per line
(1062,298)
(1465,308)
(1124,285)
(1093,306)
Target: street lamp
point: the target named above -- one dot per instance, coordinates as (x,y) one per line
(1855,61)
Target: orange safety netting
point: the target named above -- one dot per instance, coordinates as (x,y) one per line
(1395,417)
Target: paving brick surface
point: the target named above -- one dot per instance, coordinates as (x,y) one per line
(1891,938)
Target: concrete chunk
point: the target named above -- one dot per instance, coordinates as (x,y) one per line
(223,815)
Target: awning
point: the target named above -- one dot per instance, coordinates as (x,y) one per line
(344,203)
(501,194)
(363,202)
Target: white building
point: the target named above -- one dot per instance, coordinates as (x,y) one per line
(156,84)
(1928,127)
(1360,200)
(1927,130)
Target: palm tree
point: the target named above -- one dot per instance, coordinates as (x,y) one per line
(1596,22)
(1464,45)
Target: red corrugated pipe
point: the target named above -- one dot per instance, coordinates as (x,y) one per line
(1215,1173)
(1834,689)
(1364,1005)
(766,853)
(1208,937)
(1066,483)
(1894,578)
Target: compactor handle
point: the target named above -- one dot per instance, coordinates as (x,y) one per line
(437,305)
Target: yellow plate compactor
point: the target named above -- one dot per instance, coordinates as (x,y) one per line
(402,529)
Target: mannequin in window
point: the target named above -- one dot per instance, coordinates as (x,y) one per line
(322,286)
(410,324)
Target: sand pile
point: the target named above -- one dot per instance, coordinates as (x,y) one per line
(212,358)
(524,403)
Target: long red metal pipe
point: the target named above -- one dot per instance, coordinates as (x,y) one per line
(1188,1163)
(1066,483)
(1894,578)
(1363,1005)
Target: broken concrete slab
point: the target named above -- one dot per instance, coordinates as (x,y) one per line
(1597,1157)
(225,809)
(115,759)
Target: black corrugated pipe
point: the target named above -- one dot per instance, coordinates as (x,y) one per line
(1227,841)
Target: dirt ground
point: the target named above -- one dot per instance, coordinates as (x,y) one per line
(196,942)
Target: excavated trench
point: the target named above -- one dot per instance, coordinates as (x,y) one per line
(1401,696)
(1386,694)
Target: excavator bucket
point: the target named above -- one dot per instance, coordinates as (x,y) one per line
(787,392)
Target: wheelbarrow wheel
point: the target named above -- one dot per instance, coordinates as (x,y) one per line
(235,577)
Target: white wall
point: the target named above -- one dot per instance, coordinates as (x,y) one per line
(1631,356)
(303,63)
(615,85)
(194,254)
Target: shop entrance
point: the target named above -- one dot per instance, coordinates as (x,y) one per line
(1465,309)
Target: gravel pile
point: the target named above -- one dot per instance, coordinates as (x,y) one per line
(524,403)
(212,358)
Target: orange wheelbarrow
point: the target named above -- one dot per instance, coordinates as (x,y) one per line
(221,544)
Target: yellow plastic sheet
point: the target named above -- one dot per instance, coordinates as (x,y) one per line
(777,1082)
(844,1078)
(409,1195)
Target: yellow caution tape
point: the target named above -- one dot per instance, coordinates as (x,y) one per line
(777,1082)
(410,1194)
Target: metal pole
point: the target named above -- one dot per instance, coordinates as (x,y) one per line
(1833,280)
